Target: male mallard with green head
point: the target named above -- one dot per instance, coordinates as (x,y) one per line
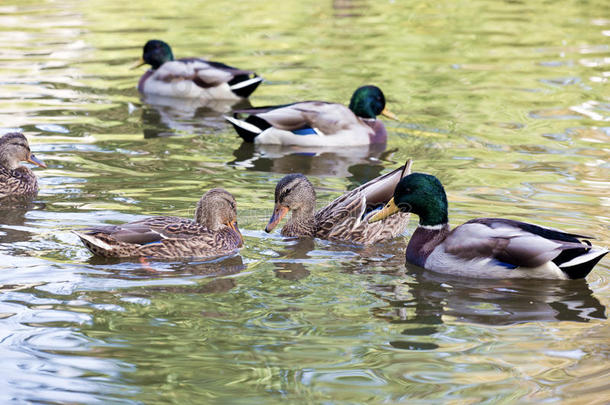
(213,233)
(485,247)
(192,77)
(14,178)
(343,220)
(317,123)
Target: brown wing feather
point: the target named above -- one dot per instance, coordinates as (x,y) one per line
(346,218)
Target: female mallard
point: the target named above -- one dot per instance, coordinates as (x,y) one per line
(14,178)
(317,123)
(485,247)
(213,233)
(343,220)
(192,77)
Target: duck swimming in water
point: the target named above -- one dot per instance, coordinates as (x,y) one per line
(192,77)
(317,123)
(15,179)
(485,247)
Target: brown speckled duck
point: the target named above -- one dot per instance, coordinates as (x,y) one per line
(213,233)
(15,179)
(343,220)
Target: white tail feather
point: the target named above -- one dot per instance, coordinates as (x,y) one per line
(243,124)
(93,240)
(246,83)
(593,254)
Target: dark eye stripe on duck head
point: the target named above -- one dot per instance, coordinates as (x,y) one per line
(156,53)
(288,184)
(367,101)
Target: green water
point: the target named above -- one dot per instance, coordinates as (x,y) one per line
(506,102)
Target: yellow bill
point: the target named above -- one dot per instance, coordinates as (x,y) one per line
(389,114)
(390,209)
(138,64)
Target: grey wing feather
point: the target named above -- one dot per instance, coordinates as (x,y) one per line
(504,241)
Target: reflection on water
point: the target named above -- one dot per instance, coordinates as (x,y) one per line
(164,116)
(430,298)
(505,102)
(347,162)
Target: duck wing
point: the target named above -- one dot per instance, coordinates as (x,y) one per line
(150,230)
(346,218)
(201,72)
(512,242)
(326,118)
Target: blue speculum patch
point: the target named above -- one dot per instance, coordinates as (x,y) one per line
(304,131)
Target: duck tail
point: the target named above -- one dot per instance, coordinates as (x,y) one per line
(249,128)
(578,263)
(94,244)
(244,85)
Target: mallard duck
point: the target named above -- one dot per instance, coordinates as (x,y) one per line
(346,218)
(317,123)
(192,77)
(14,178)
(485,247)
(213,233)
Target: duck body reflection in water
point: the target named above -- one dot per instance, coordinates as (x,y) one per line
(428,299)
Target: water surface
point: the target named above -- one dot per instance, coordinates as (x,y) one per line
(506,102)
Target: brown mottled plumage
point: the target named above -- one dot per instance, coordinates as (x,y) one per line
(346,218)
(16,179)
(213,233)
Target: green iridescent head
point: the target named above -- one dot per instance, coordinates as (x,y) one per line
(369,102)
(156,53)
(421,194)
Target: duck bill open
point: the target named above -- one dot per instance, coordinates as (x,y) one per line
(390,209)
(33,159)
(139,63)
(279,212)
(235,228)
(389,114)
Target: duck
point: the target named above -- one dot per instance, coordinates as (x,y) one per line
(345,219)
(15,179)
(213,233)
(317,123)
(192,77)
(485,247)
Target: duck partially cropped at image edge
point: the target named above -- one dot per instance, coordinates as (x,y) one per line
(16,179)
(485,247)
(213,233)
(317,123)
(192,77)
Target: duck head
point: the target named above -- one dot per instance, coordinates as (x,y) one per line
(14,148)
(421,194)
(217,208)
(295,193)
(369,102)
(155,53)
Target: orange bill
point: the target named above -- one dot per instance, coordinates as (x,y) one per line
(33,159)
(278,213)
(233,226)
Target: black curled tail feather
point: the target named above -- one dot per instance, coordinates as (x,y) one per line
(247,90)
